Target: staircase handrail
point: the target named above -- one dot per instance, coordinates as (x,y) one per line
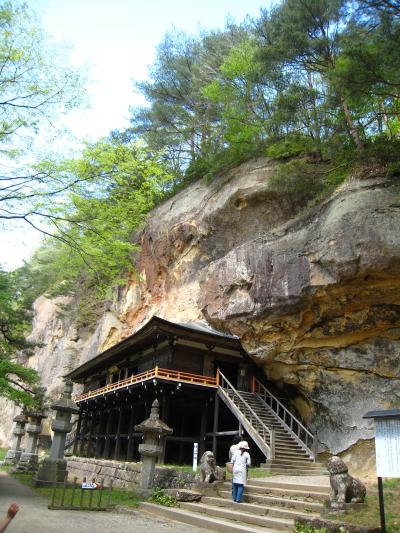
(220,380)
(310,438)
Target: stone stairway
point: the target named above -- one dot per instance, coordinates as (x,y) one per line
(268,506)
(290,457)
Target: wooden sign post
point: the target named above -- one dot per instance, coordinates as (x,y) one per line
(387,449)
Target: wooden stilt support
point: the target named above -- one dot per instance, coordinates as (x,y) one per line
(101,430)
(89,446)
(203,429)
(106,451)
(215,425)
(118,437)
(130,449)
(78,431)
(164,417)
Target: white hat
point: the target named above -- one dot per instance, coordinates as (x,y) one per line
(243,445)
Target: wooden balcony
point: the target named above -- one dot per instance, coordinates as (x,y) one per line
(156,373)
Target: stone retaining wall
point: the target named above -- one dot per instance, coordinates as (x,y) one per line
(126,475)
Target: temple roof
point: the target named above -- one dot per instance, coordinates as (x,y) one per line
(155,331)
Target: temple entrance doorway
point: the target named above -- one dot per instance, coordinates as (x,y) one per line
(229,370)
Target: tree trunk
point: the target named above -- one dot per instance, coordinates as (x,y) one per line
(316,126)
(350,123)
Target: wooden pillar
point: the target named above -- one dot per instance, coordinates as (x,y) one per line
(181,444)
(215,425)
(83,433)
(166,400)
(203,429)
(129,452)
(102,423)
(118,437)
(89,445)
(77,434)
(106,451)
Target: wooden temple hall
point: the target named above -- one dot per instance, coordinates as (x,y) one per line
(180,365)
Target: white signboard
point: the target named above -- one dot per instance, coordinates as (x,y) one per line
(88,485)
(195,455)
(387,446)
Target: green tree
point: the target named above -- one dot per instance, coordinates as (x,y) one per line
(304,35)
(180,119)
(119,184)
(36,84)
(17,382)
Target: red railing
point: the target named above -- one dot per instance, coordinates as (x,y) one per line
(160,373)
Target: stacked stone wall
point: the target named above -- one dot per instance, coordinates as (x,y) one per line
(125,475)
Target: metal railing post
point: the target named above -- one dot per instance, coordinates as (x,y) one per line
(295,427)
(272,444)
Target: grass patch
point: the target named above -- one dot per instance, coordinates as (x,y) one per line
(181,468)
(121,497)
(369,516)
(3,452)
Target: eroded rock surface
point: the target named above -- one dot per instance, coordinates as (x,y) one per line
(315,299)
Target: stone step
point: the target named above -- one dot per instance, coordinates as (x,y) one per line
(308,493)
(201,520)
(298,452)
(237,513)
(270,482)
(257,509)
(287,503)
(294,466)
(289,472)
(296,461)
(282,453)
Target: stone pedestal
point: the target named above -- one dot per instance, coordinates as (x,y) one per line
(14,453)
(54,467)
(29,458)
(153,429)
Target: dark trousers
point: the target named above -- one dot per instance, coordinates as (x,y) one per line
(237,492)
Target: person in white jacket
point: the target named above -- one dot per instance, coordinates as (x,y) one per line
(241,462)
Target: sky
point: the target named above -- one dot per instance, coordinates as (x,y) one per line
(114,42)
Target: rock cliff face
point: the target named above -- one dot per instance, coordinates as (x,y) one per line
(315,299)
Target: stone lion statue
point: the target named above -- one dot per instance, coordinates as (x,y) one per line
(209,471)
(345,488)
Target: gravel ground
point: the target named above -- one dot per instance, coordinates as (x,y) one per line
(34,517)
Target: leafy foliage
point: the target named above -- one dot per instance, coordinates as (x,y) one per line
(16,380)
(159,497)
(94,245)
(36,85)
(316,77)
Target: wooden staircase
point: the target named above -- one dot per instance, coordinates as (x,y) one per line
(268,506)
(289,447)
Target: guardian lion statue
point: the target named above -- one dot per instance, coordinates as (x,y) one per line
(345,488)
(209,471)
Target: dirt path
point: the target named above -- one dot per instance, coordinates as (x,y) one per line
(34,517)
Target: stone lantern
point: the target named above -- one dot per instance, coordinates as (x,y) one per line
(53,468)
(153,429)
(29,457)
(14,454)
